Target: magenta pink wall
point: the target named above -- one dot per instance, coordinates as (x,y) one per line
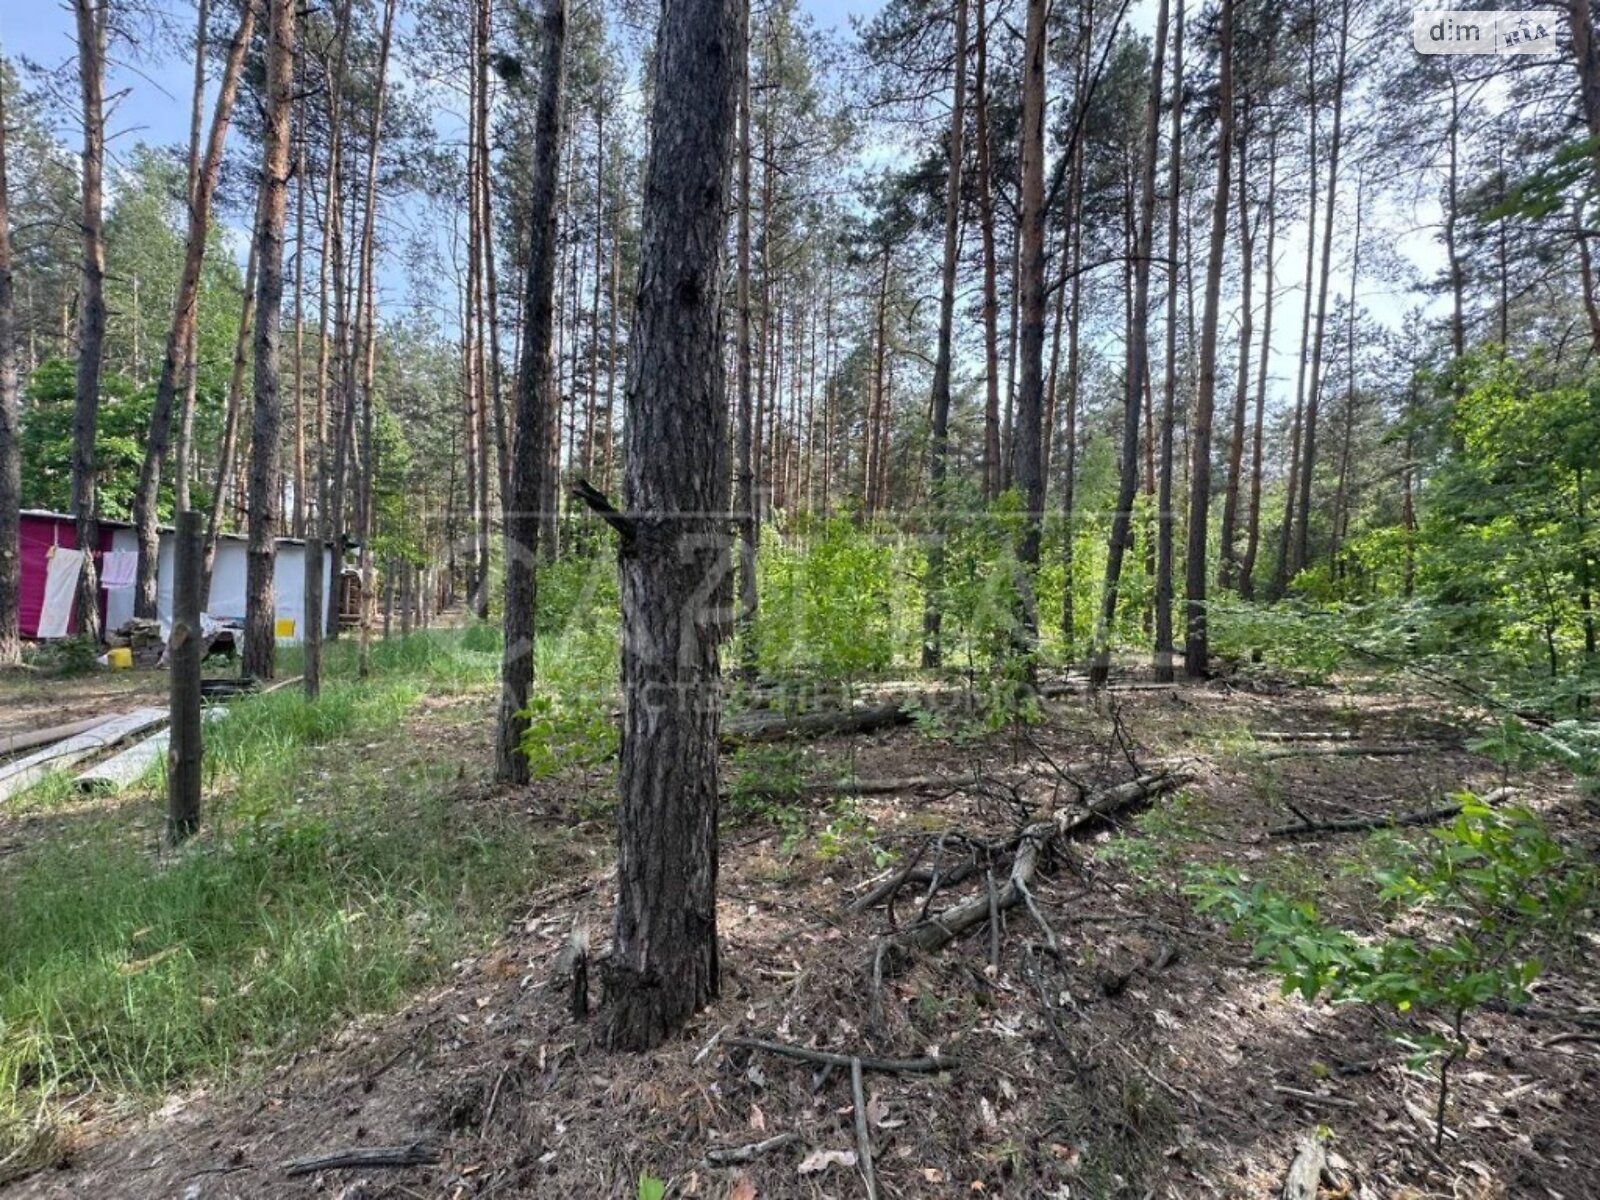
(39,533)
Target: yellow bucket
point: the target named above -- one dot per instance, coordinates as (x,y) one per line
(286,627)
(120,658)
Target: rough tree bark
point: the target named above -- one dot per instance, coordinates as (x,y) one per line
(664,961)
(1169,393)
(1196,653)
(939,447)
(1228,560)
(749,598)
(180,334)
(1302,545)
(260,643)
(91,20)
(184,656)
(367,326)
(222,483)
(1252,540)
(10,458)
(532,406)
(1027,455)
(991,314)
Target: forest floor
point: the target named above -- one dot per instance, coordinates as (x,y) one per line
(1146,1057)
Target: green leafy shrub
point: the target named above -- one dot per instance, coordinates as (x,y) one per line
(826,606)
(1466,923)
(567,733)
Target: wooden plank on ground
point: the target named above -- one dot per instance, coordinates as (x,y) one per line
(25,772)
(11,743)
(127,766)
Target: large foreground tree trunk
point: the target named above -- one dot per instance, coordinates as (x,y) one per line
(664,961)
(10,458)
(533,405)
(91,29)
(260,644)
(175,364)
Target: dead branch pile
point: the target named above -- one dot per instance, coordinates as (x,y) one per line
(933,931)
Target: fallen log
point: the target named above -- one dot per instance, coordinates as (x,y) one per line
(1072,687)
(827,1058)
(891,786)
(823,724)
(944,927)
(1341,751)
(25,772)
(1305,1169)
(1426,816)
(417,1154)
(11,743)
(1303,735)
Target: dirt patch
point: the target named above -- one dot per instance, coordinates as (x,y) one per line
(1146,1058)
(33,700)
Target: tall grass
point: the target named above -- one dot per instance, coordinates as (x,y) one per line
(325,884)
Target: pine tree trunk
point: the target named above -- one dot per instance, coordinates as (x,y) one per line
(1028,429)
(664,960)
(260,644)
(1138,354)
(10,457)
(368,322)
(1169,391)
(1302,547)
(1196,654)
(342,384)
(939,446)
(91,29)
(1281,572)
(180,335)
(1252,542)
(184,746)
(222,484)
(491,284)
(749,597)
(1341,494)
(532,406)
(991,328)
(1228,558)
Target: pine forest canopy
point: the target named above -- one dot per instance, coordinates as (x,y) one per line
(1010,334)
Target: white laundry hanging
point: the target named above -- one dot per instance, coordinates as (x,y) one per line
(60,583)
(119,568)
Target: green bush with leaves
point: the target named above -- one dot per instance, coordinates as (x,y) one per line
(1467,922)
(567,734)
(826,604)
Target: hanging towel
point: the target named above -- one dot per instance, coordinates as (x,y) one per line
(118,568)
(60,582)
